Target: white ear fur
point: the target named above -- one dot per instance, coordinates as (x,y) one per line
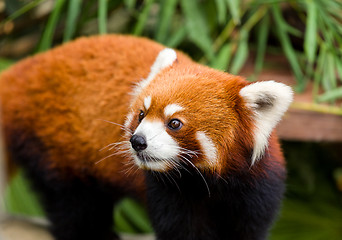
(165,58)
(268,100)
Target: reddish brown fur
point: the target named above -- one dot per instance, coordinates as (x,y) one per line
(212,104)
(63,94)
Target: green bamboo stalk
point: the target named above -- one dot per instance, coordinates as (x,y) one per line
(71,21)
(102,16)
(314,107)
(23,10)
(142,19)
(47,38)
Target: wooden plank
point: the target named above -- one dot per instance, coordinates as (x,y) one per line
(304,125)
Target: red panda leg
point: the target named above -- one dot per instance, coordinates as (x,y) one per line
(77,209)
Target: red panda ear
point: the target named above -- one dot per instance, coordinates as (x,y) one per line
(268,100)
(165,58)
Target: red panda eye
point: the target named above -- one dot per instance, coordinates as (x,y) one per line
(141,115)
(175,124)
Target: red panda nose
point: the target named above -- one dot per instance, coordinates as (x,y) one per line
(138,143)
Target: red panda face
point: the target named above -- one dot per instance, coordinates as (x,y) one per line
(178,119)
(189,115)
(168,135)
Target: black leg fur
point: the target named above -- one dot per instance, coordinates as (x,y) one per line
(77,210)
(238,208)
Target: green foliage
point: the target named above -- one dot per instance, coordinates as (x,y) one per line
(197,27)
(102,15)
(220,33)
(313,205)
(74,9)
(4,64)
(129,216)
(205,29)
(308,221)
(19,199)
(47,37)
(284,38)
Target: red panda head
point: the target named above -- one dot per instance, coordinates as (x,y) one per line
(185,114)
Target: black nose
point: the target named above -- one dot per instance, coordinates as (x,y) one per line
(138,142)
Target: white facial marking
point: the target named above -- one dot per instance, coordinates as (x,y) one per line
(159,166)
(147,102)
(165,58)
(171,109)
(268,100)
(128,121)
(162,150)
(209,149)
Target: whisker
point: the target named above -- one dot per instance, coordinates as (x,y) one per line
(122,149)
(117,124)
(222,178)
(124,145)
(111,155)
(112,145)
(123,127)
(130,167)
(199,172)
(169,176)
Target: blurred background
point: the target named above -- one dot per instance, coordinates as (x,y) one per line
(295,42)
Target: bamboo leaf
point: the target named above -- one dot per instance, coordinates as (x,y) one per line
(122,224)
(224,35)
(71,20)
(223,58)
(221,10)
(142,19)
(262,36)
(130,4)
(197,27)
(292,30)
(234,9)
(255,18)
(168,8)
(5,63)
(18,190)
(319,69)
(331,95)
(23,10)
(338,67)
(102,16)
(287,47)
(137,215)
(241,53)
(176,38)
(310,38)
(47,38)
(329,82)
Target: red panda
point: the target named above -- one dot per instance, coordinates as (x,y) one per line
(105,117)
